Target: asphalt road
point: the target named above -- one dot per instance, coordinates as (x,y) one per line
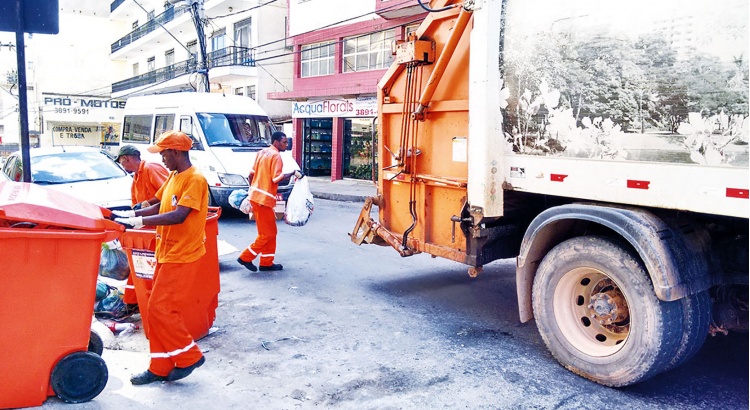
(362,328)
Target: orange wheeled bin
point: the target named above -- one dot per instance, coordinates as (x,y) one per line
(202,300)
(50,245)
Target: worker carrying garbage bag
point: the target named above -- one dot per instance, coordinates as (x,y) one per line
(264,182)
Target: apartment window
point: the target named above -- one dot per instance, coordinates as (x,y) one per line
(317,59)
(368,52)
(218,39)
(192,48)
(239,91)
(136,71)
(251,91)
(242,33)
(169,58)
(151,62)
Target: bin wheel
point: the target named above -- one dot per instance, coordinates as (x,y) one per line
(96,345)
(79,377)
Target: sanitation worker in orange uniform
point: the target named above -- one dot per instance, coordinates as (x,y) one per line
(180,219)
(264,182)
(148,177)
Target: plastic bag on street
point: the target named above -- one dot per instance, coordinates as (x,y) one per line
(239,199)
(111,306)
(299,206)
(113,262)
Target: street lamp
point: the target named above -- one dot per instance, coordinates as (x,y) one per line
(197,11)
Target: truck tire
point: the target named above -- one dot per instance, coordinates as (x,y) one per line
(696,319)
(597,312)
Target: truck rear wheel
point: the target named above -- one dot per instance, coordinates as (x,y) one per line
(597,312)
(696,319)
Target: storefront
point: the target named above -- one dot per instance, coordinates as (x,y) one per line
(339,137)
(82,120)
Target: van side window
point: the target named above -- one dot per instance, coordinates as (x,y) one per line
(163,123)
(136,129)
(186,125)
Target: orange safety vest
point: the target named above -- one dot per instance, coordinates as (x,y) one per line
(266,176)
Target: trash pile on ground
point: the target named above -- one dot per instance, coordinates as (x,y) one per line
(113,318)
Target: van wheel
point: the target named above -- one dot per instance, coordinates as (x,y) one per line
(597,312)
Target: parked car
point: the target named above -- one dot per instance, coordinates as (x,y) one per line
(82,172)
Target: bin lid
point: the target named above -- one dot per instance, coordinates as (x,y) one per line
(27,202)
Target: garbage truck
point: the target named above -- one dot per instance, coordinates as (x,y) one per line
(602,144)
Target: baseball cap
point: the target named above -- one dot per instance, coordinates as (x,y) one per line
(128,150)
(176,140)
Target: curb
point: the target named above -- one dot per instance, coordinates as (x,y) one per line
(339,197)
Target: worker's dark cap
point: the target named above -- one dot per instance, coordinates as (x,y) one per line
(128,150)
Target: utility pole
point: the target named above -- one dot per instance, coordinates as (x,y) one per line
(198,13)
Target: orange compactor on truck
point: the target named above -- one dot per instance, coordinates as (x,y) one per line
(578,138)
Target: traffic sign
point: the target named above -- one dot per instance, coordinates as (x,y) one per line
(38,16)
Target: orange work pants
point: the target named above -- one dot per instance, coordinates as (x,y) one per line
(170,343)
(265,244)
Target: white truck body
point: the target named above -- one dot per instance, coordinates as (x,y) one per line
(719,188)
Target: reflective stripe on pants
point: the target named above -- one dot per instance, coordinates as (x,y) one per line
(265,243)
(169,341)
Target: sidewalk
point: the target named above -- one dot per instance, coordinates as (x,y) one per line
(348,190)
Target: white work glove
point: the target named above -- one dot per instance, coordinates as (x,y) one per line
(124,214)
(135,221)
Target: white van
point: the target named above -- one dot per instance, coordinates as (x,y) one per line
(227,132)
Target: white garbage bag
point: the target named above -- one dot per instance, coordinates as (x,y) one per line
(299,206)
(239,199)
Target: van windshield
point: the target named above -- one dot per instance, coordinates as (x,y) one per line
(236,130)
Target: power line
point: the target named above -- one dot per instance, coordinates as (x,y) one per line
(162,26)
(209,21)
(336,23)
(328,43)
(274,78)
(241,11)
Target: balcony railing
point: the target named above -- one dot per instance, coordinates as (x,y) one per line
(231,56)
(148,27)
(220,58)
(115,4)
(157,76)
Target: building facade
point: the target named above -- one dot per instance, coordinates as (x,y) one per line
(68,78)
(338,60)
(159,50)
